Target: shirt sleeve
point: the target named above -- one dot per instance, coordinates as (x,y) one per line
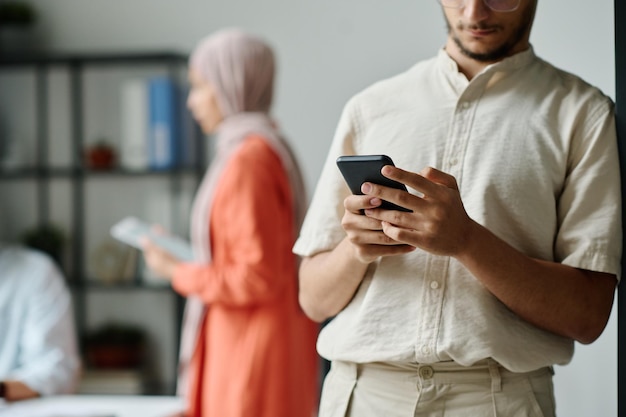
(251,234)
(48,359)
(590,227)
(321,230)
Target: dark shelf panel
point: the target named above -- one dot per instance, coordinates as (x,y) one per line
(37,173)
(90,58)
(117,286)
(620,121)
(131,173)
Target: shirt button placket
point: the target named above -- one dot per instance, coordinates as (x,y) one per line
(431,304)
(459,132)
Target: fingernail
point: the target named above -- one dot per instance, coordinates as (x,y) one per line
(366,187)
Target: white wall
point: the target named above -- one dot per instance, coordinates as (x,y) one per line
(328,50)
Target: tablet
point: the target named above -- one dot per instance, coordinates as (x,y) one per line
(131,230)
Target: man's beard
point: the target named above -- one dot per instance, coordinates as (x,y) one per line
(503,50)
(490,56)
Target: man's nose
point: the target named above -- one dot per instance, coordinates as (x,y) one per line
(475,10)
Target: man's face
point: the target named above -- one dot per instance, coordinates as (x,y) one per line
(487,36)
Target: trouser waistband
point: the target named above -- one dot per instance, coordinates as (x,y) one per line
(438,373)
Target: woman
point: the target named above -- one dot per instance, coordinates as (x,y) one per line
(248,350)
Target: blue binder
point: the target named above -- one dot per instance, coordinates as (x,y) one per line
(163,130)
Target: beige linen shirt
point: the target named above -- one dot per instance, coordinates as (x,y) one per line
(534,151)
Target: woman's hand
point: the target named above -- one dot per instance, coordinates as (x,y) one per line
(159,260)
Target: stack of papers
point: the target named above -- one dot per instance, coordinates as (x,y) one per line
(95,406)
(120,382)
(37,408)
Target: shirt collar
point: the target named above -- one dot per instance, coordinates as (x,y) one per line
(508,64)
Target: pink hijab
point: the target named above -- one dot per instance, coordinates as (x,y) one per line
(240,68)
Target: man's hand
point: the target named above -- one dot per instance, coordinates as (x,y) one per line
(17,391)
(366,233)
(438,224)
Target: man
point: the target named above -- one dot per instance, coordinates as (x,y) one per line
(511,252)
(38,353)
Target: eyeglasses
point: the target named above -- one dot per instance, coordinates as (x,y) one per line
(495,5)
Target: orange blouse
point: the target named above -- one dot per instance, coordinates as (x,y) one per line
(256,349)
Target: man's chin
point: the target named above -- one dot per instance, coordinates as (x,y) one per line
(482,53)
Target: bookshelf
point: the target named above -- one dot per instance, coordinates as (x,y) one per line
(53,108)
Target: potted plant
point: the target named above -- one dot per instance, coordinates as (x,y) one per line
(16,21)
(47,238)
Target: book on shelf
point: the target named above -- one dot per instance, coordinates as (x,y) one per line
(156,129)
(162,146)
(188,147)
(134,125)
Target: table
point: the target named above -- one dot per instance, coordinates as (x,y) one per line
(94,406)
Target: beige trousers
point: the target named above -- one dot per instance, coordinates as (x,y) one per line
(438,390)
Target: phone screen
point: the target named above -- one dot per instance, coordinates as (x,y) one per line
(357,169)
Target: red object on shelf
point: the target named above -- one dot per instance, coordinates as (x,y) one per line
(115,357)
(100,156)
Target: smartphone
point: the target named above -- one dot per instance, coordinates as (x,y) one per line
(357,169)
(131,230)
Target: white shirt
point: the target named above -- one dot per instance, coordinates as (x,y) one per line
(534,152)
(37,331)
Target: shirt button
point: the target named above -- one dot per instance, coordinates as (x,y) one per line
(453,162)
(465,105)
(425,350)
(434,285)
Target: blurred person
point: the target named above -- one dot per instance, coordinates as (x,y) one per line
(38,348)
(247,349)
(511,251)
